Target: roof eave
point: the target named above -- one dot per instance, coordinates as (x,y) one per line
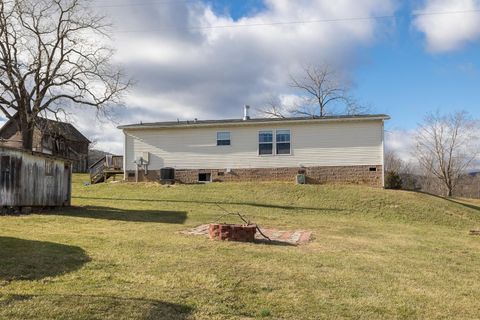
(247,122)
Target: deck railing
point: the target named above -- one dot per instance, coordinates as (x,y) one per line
(105,165)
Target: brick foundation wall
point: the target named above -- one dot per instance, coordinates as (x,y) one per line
(365,175)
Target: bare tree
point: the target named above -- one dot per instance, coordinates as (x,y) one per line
(393,163)
(446,147)
(322,93)
(53,54)
(274,108)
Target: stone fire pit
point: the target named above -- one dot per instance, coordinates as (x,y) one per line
(278,237)
(232,232)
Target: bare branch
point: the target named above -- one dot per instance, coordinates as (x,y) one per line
(52,55)
(446,147)
(322,94)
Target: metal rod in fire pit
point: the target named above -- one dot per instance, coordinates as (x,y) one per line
(241,217)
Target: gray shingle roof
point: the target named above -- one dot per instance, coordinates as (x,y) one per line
(195,123)
(53,127)
(63,129)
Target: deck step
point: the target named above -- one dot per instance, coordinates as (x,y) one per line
(105,168)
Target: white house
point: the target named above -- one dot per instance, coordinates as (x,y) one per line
(347,149)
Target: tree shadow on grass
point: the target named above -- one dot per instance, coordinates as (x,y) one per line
(22,259)
(75,306)
(108,213)
(453,200)
(274,243)
(465,204)
(253,204)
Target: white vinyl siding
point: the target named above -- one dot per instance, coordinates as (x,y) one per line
(312,144)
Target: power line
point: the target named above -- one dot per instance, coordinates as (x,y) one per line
(143,3)
(148,2)
(296,22)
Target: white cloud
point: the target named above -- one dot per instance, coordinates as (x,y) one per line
(402,142)
(186,72)
(448,32)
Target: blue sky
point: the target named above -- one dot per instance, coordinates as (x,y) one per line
(398,75)
(406,81)
(235,8)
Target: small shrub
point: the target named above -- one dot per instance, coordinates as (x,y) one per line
(265,313)
(393,180)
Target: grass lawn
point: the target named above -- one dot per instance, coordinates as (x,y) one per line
(376,254)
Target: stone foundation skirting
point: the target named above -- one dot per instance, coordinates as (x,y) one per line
(364,175)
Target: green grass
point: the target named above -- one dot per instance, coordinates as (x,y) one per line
(376,254)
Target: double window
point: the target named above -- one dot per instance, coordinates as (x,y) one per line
(223,139)
(283,141)
(266,142)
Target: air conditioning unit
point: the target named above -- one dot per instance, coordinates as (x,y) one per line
(301,179)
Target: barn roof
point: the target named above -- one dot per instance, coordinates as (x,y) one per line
(63,129)
(201,123)
(58,128)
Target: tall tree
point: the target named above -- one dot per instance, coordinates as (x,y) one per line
(321,93)
(53,53)
(446,147)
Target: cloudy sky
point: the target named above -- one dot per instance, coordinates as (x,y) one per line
(207,58)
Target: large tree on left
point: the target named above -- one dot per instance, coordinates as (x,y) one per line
(53,54)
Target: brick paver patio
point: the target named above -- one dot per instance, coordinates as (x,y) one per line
(287,237)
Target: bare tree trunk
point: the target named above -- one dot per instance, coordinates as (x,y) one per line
(27,138)
(26,128)
(449,192)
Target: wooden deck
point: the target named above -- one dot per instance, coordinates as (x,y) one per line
(106,167)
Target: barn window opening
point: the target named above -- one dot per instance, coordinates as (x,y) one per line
(373,169)
(283,141)
(223,139)
(265,142)
(49,165)
(204,177)
(5,167)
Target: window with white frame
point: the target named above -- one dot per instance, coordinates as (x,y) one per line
(223,139)
(265,142)
(283,141)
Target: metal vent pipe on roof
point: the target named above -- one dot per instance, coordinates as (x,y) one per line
(246,113)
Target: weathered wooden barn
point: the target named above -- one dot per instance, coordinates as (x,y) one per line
(51,137)
(33,179)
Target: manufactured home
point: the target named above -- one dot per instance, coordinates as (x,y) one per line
(340,149)
(33,179)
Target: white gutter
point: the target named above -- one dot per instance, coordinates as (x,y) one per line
(383,154)
(124,156)
(247,123)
